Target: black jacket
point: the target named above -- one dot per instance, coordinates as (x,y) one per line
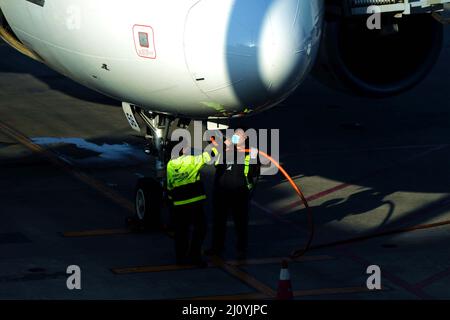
(230,172)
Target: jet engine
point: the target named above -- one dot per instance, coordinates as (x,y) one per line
(7,35)
(378,62)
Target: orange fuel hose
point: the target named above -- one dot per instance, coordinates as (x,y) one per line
(300,252)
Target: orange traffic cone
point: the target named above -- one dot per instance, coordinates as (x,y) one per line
(284,284)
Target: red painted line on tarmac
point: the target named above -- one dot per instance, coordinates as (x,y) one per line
(342,186)
(389,276)
(327,192)
(434,278)
(315,197)
(331,291)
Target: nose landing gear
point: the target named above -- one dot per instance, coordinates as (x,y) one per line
(149,197)
(149,192)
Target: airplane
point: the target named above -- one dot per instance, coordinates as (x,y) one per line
(220,59)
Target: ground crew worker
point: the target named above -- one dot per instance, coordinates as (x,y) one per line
(233,186)
(187,196)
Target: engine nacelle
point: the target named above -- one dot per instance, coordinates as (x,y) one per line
(378,63)
(7,35)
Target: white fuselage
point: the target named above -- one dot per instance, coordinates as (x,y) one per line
(193,58)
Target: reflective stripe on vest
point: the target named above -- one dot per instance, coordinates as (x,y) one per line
(187,192)
(247,170)
(247,165)
(188,201)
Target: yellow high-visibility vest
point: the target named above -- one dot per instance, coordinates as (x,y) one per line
(183,178)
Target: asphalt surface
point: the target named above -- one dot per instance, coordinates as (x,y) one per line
(68,171)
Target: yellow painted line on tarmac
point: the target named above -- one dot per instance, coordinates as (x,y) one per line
(55,160)
(152,269)
(107,232)
(244,277)
(237,263)
(274,260)
(96,233)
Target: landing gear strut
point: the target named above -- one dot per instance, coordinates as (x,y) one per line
(149,192)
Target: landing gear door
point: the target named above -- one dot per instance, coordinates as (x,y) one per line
(129,114)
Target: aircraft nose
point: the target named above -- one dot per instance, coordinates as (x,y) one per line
(263,49)
(271,46)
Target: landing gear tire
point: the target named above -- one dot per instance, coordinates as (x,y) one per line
(148,205)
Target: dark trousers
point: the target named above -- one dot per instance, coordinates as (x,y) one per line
(236,201)
(189,246)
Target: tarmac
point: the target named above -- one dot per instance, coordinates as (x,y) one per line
(376,174)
